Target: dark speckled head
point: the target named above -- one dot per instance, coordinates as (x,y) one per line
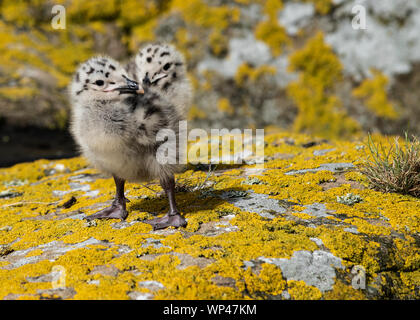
(160,65)
(101,78)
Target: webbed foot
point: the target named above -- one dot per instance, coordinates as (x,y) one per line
(115,211)
(172,218)
(168,220)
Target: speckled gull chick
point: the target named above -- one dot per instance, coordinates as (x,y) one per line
(115,123)
(161,69)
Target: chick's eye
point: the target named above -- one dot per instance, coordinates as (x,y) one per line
(166,66)
(99,82)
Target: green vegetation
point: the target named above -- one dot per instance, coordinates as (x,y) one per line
(395,168)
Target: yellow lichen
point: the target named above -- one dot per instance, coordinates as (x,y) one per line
(218,43)
(138,12)
(269,31)
(142,33)
(269,281)
(34,253)
(344,292)
(197,12)
(188,260)
(17,93)
(225,106)
(299,290)
(196,113)
(374,92)
(320,112)
(246,73)
(273,35)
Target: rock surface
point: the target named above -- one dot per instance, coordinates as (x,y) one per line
(305,245)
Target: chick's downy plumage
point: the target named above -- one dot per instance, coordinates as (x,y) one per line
(162,68)
(115,123)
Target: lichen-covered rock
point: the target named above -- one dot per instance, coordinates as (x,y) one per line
(296,63)
(285,237)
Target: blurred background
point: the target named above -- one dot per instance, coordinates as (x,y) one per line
(298,65)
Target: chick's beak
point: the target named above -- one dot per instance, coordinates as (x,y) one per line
(130,86)
(146,80)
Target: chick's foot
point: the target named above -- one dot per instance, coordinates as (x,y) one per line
(115,211)
(168,220)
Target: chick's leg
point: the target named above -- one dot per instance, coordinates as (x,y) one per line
(173,218)
(117,210)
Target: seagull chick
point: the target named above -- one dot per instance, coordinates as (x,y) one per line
(116,124)
(162,68)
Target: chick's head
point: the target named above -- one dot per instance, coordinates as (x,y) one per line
(102,78)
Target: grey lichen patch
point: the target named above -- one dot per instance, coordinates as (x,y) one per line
(74,187)
(123,224)
(107,270)
(296,16)
(92,194)
(317,241)
(48,277)
(212,228)
(224,281)
(90,223)
(135,295)
(259,203)
(151,285)
(251,181)
(349,199)
(84,178)
(51,251)
(314,268)
(225,226)
(59,293)
(248,264)
(155,243)
(58,168)
(318,210)
(8,194)
(253,171)
(333,167)
(319,153)
(285,295)
(15,183)
(187,260)
(234,194)
(77,216)
(351,230)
